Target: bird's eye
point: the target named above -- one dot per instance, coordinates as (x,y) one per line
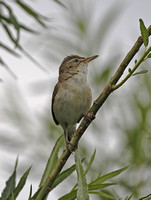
(76,60)
(70,66)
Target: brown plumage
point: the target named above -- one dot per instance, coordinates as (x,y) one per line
(71,97)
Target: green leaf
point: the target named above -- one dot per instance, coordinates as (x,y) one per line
(70,196)
(13,20)
(60,3)
(6,19)
(8,49)
(90,162)
(53,159)
(10,184)
(140,72)
(15,24)
(26,28)
(36,194)
(73,194)
(129,70)
(91,187)
(98,186)
(103,195)
(22,26)
(63,176)
(30,193)
(144,32)
(146,197)
(7,68)
(129,197)
(88,166)
(82,192)
(110,175)
(31,12)
(10,35)
(33,60)
(21,183)
(149,55)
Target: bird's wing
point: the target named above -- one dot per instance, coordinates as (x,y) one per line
(53,97)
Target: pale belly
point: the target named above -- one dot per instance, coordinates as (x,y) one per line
(71,104)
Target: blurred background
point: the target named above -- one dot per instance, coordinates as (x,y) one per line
(121,131)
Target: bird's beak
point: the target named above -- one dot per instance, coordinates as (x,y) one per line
(90,58)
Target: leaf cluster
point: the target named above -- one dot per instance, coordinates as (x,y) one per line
(11,191)
(81,190)
(12,27)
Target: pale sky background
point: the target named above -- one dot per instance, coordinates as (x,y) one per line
(123,33)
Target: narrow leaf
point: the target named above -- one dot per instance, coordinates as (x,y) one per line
(70,196)
(8,49)
(108,196)
(88,166)
(16,26)
(10,35)
(129,70)
(33,60)
(36,194)
(31,12)
(128,198)
(26,28)
(63,176)
(108,176)
(22,26)
(10,183)
(30,193)
(82,192)
(60,3)
(99,186)
(7,68)
(140,72)
(52,159)
(90,162)
(149,55)
(14,22)
(144,32)
(73,194)
(21,183)
(6,19)
(146,197)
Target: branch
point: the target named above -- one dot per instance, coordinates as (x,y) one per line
(133,70)
(110,87)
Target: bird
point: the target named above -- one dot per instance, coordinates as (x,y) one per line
(72,97)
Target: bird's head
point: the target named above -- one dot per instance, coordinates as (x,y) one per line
(73,64)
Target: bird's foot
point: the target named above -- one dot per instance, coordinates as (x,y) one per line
(68,144)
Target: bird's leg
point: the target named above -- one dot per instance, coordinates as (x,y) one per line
(66,136)
(67,139)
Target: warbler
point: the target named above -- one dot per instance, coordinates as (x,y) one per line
(72,95)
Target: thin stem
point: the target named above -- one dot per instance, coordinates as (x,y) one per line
(133,70)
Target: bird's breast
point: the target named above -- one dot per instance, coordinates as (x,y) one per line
(72,100)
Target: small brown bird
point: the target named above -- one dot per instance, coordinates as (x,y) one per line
(72,96)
